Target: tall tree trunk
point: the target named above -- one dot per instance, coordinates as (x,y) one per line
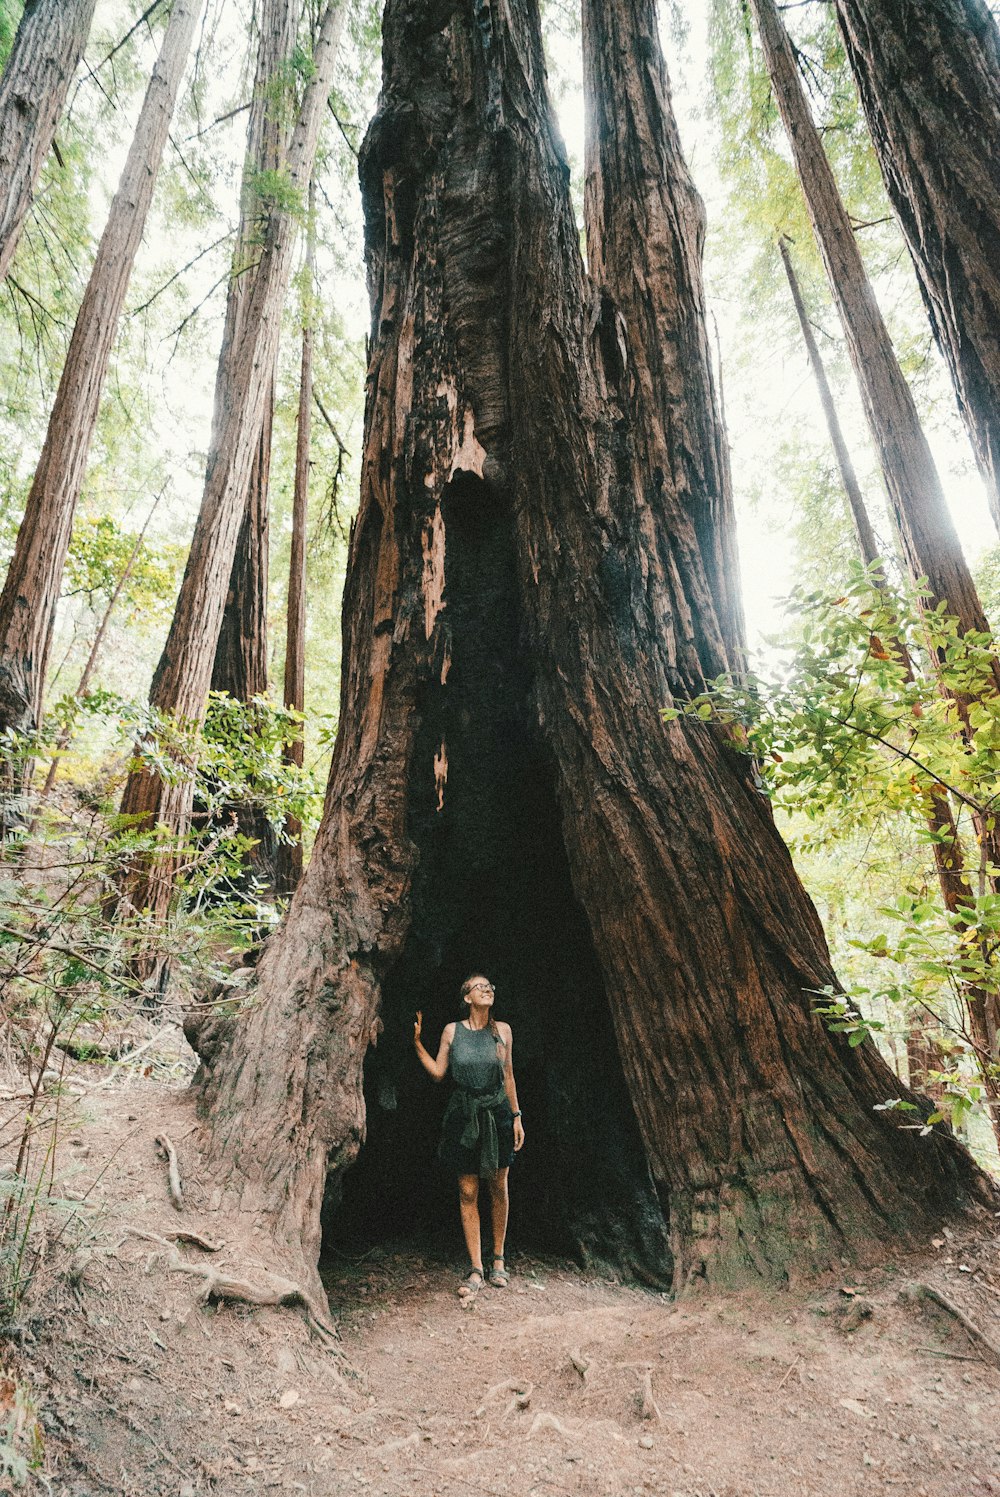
(240,666)
(639,204)
(504,792)
(290,851)
(867,544)
(49,44)
(927,531)
(184,673)
(929,76)
(31,591)
(979,1007)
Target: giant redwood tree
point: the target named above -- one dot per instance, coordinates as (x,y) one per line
(31,590)
(526,591)
(928,72)
(49,43)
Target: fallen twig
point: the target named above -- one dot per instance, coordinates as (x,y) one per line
(173,1172)
(953,1356)
(789,1370)
(975,1335)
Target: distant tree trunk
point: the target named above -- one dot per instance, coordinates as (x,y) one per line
(504,792)
(290,851)
(31,591)
(979,1007)
(33,86)
(639,202)
(927,531)
(867,544)
(86,675)
(929,76)
(184,673)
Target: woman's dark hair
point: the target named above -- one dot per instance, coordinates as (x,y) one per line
(467,984)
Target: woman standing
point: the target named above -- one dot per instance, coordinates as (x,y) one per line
(482,1127)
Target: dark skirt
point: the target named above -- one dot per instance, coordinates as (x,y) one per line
(466,1161)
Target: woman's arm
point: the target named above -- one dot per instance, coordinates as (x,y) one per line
(435,1068)
(509,1085)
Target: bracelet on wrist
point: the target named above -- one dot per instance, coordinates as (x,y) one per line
(516,1114)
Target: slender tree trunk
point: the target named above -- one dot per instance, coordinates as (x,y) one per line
(923,1053)
(31,591)
(184,673)
(33,87)
(290,851)
(504,792)
(86,675)
(928,72)
(867,544)
(927,531)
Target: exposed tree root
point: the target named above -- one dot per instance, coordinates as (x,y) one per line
(196,1239)
(648,1407)
(219,1285)
(918,1291)
(173,1171)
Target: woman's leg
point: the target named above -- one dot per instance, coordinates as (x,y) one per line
(501,1207)
(468,1205)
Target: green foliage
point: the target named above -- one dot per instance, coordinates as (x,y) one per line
(849,741)
(99,553)
(10,15)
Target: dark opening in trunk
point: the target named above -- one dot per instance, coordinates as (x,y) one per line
(492,893)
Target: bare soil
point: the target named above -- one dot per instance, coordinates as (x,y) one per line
(561,1383)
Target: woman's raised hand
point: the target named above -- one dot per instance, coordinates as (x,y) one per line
(417,1025)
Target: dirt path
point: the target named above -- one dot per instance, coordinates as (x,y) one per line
(537,1390)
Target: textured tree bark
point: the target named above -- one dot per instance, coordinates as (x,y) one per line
(927,531)
(504,792)
(645,232)
(241,653)
(31,591)
(928,72)
(289,859)
(922,1048)
(49,44)
(184,673)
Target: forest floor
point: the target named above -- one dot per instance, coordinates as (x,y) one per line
(849,1386)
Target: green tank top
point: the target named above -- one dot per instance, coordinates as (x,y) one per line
(475,1064)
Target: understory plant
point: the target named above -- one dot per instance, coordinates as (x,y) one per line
(873,709)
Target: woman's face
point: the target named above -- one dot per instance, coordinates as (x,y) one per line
(479,992)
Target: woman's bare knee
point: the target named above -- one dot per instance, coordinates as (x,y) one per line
(468,1188)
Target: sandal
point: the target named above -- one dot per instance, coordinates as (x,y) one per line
(498,1276)
(471,1284)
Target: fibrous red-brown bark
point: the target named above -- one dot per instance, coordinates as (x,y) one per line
(49,43)
(183,675)
(31,590)
(504,793)
(928,72)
